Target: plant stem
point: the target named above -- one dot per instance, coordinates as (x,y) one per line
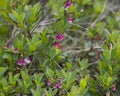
(108,93)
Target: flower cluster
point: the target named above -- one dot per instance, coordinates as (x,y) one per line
(57,85)
(67,6)
(59,37)
(23,62)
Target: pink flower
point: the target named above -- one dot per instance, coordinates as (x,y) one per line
(59,37)
(68,4)
(57,45)
(70,19)
(57,85)
(60,85)
(113,87)
(15,50)
(21,62)
(27,60)
(48,82)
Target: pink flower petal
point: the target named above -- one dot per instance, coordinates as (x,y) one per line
(27,60)
(21,62)
(48,82)
(57,45)
(68,4)
(70,19)
(59,37)
(15,50)
(113,87)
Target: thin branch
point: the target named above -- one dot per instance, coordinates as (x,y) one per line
(82,50)
(79,26)
(12,37)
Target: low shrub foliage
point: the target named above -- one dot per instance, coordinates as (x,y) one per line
(59,48)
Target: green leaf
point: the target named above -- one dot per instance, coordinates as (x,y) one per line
(109,81)
(21,18)
(38,91)
(3,4)
(83,84)
(13,17)
(38,78)
(20,9)
(86,2)
(107,52)
(5,84)
(3,70)
(74,91)
(16,77)
(36,8)
(49,72)
(54,52)
(25,2)
(20,83)
(6,55)
(98,5)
